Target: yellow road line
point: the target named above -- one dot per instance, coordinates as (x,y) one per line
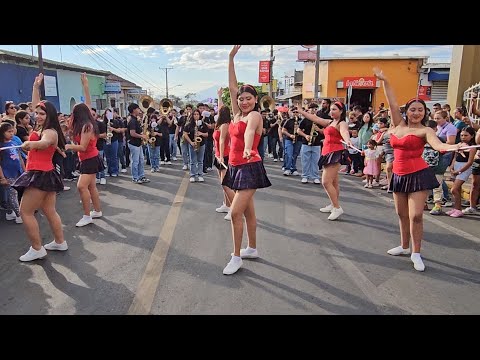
(142,302)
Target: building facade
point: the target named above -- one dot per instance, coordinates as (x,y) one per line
(351,80)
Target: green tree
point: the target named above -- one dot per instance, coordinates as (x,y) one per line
(227,101)
(190,98)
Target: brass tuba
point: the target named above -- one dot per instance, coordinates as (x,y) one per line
(266,102)
(145,102)
(166,105)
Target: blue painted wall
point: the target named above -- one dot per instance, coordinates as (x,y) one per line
(16,83)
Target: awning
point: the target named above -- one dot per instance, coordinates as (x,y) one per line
(288,96)
(438,76)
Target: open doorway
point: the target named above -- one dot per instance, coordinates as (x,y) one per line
(362,97)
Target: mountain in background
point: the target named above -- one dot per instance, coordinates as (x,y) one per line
(204,95)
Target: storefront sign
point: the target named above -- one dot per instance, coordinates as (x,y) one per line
(50,83)
(264,72)
(112,88)
(425,92)
(307,55)
(360,82)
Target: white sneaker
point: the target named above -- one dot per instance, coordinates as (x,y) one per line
(33,254)
(327,208)
(296,173)
(97,181)
(168,163)
(316,181)
(185,167)
(398,251)
(287,173)
(248,253)
(123,170)
(152,170)
(201,179)
(192,179)
(336,212)
(18,220)
(364,181)
(228,216)
(417,262)
(85,220)
(304,180)
(174,158)
(103,181)
(233,265)
(95,214)
(66,188)
(375,183)
(10,216)
(223,209)
(469,210)
(56,246)
(275,160)
(162,162)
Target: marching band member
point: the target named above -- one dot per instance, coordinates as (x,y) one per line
(194,133)
(333,153)
(246,172)
(85,134)
(222,150)
(40,183)
(412,177)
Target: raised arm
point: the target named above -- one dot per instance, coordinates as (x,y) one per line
(232,80)
(36,90)
(391,98)
(220,101)
(314,118)
(86,90)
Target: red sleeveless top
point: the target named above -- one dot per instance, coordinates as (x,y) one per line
(91,150)
(237,144)
(407,152)
(216,139)
(333,140)
(40,160)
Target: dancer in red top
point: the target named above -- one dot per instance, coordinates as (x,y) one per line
(85,134)
(41,182)
(221,140)
(333,153)
(412,177)
(246,172)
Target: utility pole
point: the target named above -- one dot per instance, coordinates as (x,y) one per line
(270,85)
(317,67)
(40,66)
(166,78)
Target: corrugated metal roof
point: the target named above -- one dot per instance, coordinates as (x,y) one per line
(28,59)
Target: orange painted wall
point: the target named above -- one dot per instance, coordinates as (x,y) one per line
(402,73)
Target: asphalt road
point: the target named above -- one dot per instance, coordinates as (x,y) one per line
(161,247)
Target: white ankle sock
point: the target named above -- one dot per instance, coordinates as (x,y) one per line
(87,217)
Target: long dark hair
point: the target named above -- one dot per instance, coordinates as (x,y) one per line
(51,121)
(410,102)
(472,133)
(223,117)
(341,106)
(82,117)
(250,89)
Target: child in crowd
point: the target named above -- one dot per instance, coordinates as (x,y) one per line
(432,158)
(371,165)
(462,169)
(355,156)
(11,167)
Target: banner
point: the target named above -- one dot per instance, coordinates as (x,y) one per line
(50,83)
(425,92)
(360,82)
(264,72)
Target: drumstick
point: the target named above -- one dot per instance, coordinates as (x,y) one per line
(465,148)
(10,147)
(225,166)
(353,147)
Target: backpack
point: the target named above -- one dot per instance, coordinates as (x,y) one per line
(431,156)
